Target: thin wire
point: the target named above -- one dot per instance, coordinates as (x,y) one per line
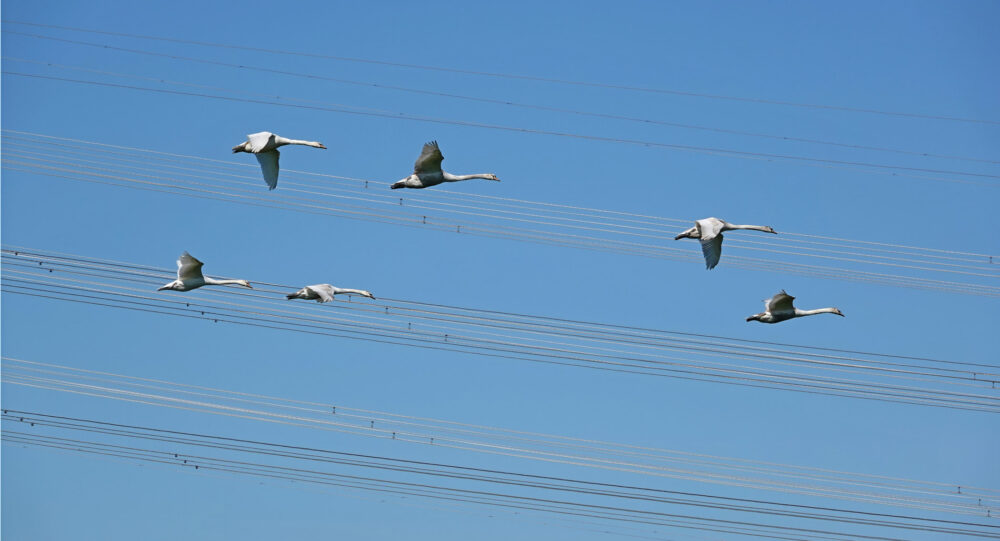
(144,154)
(546,237)
(893,170)
(602,226)
(505,102)
(513,76)
(487,475)
(491,433)
(458,341)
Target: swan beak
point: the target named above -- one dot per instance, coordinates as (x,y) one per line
(321,145)
(839,313)
(249,286)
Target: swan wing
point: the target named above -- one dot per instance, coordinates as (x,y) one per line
(712,250)
(430,159)
(269,167)
(188,267)
(708,228)
(323,291)
(259,141)
(780,302)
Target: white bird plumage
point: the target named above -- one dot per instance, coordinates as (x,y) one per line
(189,276)
(779,308)
(709,232)
(325,292)
(264,145)
(427,171)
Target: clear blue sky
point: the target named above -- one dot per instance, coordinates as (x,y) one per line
(918,57)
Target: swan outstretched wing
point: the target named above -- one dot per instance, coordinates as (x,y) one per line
(269,167)
(188,267)
(780,302)
(712,250)
(258,141)
(430,159)
(324,291)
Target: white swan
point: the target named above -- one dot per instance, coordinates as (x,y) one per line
(427,171)
(709,231)
(189,276)
(779,308)
(265,145)
(325,292)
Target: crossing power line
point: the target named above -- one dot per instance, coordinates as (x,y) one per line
(610,86)
(596,499)
(938,497)
(498,217)
(909,380)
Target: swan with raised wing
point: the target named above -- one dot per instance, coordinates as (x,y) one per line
(427,171)
(189,276)
(779,308)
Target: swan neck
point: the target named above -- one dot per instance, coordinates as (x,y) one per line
(448,177)
(799,313)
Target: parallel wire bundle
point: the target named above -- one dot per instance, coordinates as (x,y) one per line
(945,498)
(874,376)
(613,502)
(498,217)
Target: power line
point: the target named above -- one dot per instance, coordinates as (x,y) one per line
(523,341)
(558,485)
(515,76)
(480,438)
(602,232)
(892,170)
(503,102)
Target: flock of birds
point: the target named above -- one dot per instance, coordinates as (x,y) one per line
(426,173)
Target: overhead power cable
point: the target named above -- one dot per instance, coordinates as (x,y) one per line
(987,179)
(451,95)
(534,222)
(644,502)
(951,498)
(948,384)
(610,86)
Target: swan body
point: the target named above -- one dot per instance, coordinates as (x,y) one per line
(324,293)
(189,276)
(427,171)
(779,308)
(264,146)
(709,231)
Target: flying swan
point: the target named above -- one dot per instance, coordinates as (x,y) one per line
(264,146)
(189,276)
(709,231)
(427,171)
(325,292)
(779,308)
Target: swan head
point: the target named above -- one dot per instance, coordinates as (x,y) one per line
(769,229)
(493,177)
(244,283)
(838,312)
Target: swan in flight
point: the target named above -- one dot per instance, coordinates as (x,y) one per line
(264,146)
(779,308)
(325,292)
(427,171)
(189,276)
(709,231)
